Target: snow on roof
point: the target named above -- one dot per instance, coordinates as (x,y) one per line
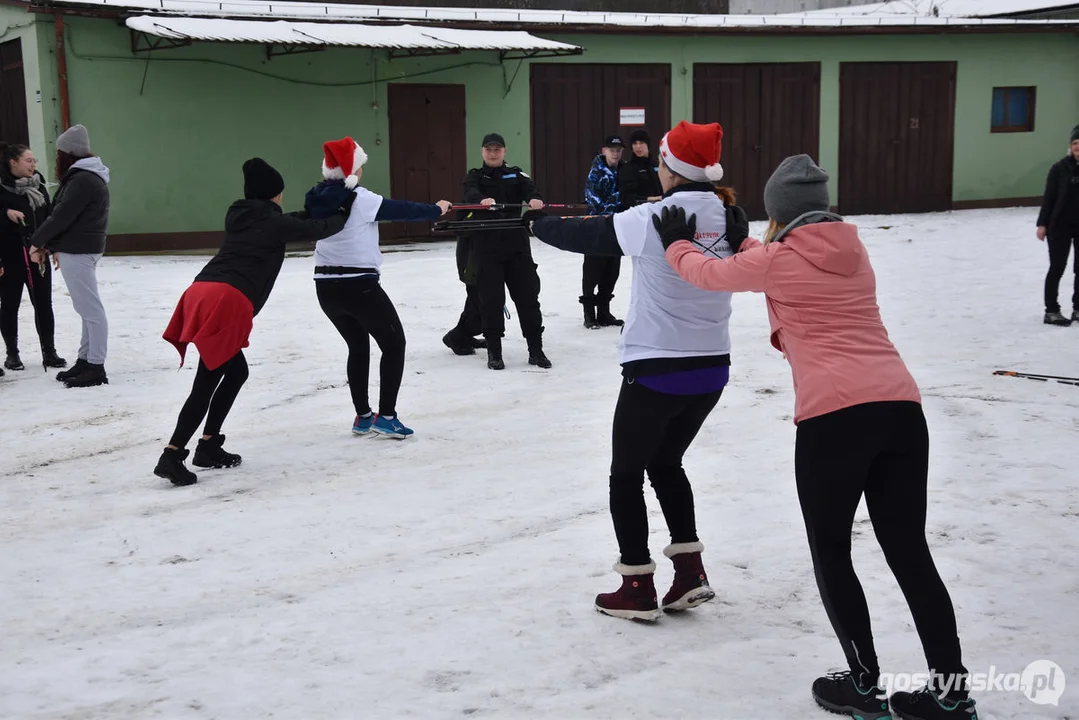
(941,8)
(386,13)
(353,34)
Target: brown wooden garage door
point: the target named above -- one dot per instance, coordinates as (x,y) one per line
(427,148)
(896,136)
(13,123)
(768,112)
(574,106)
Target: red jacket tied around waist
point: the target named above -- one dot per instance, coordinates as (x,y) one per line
(216,317)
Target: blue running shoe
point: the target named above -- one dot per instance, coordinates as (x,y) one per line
(363,424)
(391,427)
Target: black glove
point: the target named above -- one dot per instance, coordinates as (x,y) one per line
(737,227)
(346,206)
(672,226)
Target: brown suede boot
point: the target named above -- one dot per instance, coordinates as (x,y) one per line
(636,599)
(690,587)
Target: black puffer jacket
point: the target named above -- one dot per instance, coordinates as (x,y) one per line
(14,237)
(80,215)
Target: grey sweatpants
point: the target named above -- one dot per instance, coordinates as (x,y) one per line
(80,276)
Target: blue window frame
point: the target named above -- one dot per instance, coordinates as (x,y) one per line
(1013,109)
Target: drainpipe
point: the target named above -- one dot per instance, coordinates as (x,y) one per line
(61,68)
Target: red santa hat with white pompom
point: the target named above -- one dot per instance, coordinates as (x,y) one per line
(343,159)
(693,151)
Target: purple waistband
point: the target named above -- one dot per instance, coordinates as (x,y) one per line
(688,382)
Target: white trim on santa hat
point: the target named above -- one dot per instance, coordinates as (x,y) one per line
(359,159)
(712,173)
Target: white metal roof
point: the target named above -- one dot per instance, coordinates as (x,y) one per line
(941,8)
(425,15)
(354,34)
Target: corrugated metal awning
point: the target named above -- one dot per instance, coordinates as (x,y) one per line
(403,39)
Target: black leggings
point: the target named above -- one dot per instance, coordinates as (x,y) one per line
(213,391)
(652,431)
(880,450)
(360,310)
(599,273)
(1060,245)
(12,282)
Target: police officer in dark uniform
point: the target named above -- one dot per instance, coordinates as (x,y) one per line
(502,259)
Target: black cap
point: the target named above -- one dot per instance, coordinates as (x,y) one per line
(493,139)
(261,182)
(1075,133)
(614,141)
(641,135)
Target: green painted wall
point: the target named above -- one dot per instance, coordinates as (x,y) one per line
(176,128)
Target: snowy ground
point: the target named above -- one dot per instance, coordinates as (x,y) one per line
(452,575)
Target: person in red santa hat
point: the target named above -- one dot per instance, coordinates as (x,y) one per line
(347,270)
(217,312)
(675,355)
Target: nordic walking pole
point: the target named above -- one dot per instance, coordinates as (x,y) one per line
(1013,373)
(1040,378)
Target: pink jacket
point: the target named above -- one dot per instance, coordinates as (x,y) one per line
(822,306)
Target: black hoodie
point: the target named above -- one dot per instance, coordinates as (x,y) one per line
(256,232)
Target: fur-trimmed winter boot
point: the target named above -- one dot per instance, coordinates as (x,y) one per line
(690,587)
(636,599)
(604,318)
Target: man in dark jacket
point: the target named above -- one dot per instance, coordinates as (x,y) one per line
(216,312)
(502,259)
(599,273)
(1059,222)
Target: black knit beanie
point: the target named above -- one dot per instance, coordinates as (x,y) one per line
(640,135)
(1075,133)
(261,182)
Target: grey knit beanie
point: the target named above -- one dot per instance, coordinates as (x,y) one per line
(796,187)
(1075,133)
(74,141)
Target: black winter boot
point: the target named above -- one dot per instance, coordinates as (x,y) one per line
(50,359)
(603,313)
(457,346)
(211,454)
(842,694)
(13,361)
(78,367)
(1055,318)
(171,467)
(535,354)
(89,376)
(494,353)
(589,303)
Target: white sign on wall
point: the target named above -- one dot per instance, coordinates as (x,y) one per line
(631,116)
